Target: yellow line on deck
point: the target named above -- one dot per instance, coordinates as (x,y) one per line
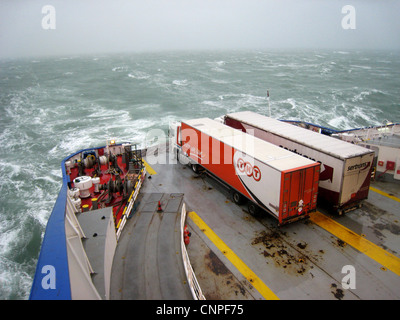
(233,258)
(384,194)
(370,249)
(149,169)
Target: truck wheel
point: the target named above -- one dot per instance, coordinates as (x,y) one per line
(181,158)
(253,208)
(195,168)
(237,197)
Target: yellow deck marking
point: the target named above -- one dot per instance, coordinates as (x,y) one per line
(370,249)
(149,169)
(233,258)
(384,194)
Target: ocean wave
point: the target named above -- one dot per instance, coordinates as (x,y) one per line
(219,81)
(218,63)
(15,282)
(217,66)
(120,69)
(180,83)
(342,52)
(148,107)
(139,75)
(365,94)
(8,235)
(361,67)
(340,122)
(214,104)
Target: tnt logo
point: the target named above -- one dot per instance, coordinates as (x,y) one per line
(248,169)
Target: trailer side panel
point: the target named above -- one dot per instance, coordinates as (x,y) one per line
(338,186)
(256,179)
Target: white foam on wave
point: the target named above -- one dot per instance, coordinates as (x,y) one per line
(130,126)
(360,113)
(218,69)
(103,114)
(103,125)
(361,67)
(214,104)
(347,116)
(282,74)
(249,100)
(219,81)
(342,52)
(340,122)
(181,83)
(365,94)
(217,66)
(120,69)
(32,180)
(325,70)
(15,234)
(139,75)
(361,96)
(9,169)
(8,233)
(148,107)
(291,102)
(14,280)
(218,63)
(74,141)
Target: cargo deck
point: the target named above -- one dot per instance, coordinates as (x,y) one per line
(148,261)
(237,256)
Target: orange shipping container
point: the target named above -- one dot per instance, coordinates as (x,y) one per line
(276,180)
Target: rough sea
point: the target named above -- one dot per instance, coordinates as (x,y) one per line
(52,107)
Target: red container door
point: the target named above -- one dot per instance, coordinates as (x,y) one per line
(295,191)
(299,192)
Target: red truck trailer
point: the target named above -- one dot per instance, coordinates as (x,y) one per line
(276,180)
(345,168)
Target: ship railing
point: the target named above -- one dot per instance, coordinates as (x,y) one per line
(80,269)
(386,135)
(368,133)
(51,280)
(190,275)
(131,201)
(52,276)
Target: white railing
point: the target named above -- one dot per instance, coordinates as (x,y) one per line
(131,201)
(191,277)
(79,266)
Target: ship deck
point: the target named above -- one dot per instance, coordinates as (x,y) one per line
(148,261)
(237,256)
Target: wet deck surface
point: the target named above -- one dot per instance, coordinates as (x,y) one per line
(148,261)
(298,261)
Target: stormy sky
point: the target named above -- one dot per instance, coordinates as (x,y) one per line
(88,26)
